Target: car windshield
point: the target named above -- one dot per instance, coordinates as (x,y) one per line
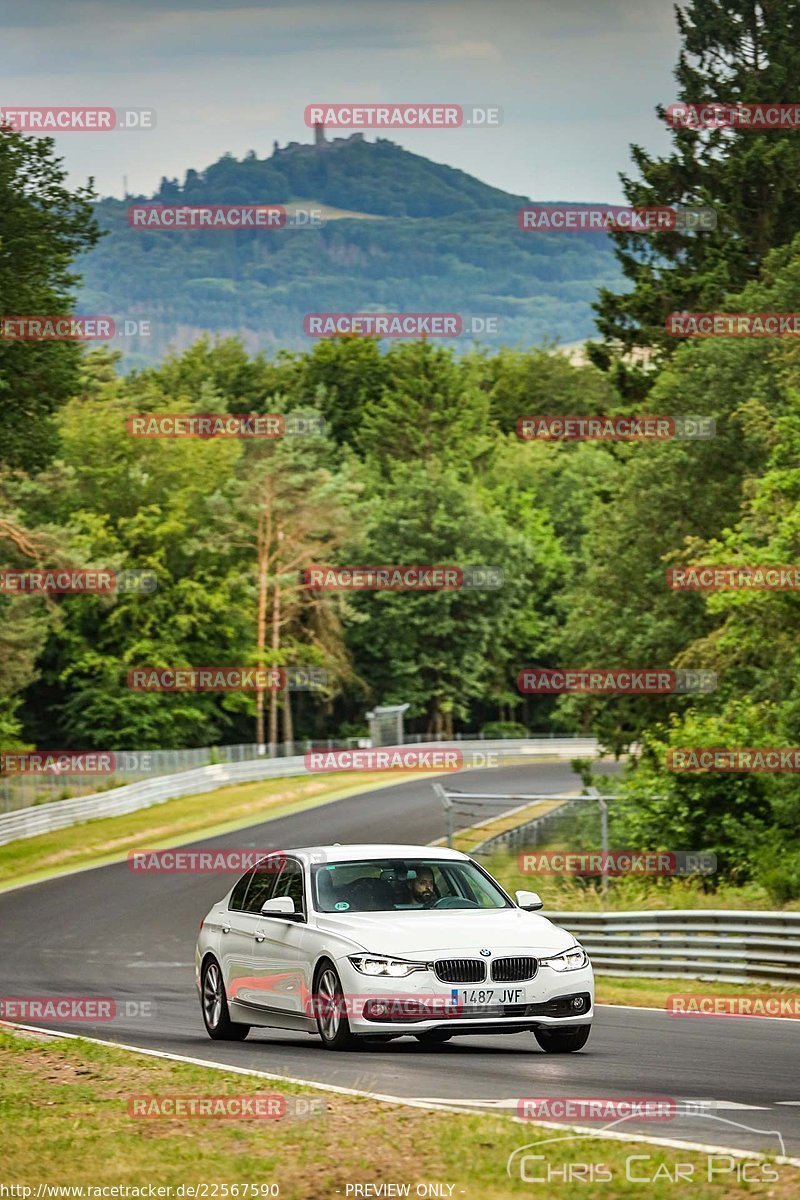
(403,884)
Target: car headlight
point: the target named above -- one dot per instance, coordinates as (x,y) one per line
(377,964)
(568,960)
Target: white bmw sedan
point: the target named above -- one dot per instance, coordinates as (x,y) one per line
(378,942)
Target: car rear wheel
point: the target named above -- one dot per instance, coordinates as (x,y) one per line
(331,1012)
(433,1037)
(214,1003)
(563,1041)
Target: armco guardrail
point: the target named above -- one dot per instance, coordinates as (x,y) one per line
(713,944)
(45,818)
(132,766)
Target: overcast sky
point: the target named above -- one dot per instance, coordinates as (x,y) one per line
(577,80)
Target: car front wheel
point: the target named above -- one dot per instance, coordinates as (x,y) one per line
(214,1003)
(331,1012)
(563,1041)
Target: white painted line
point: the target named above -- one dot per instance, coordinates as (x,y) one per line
(673,1143)
(682,1108)
(152,966)
(732,1104)
(405,1101)
(633,1007)
(698,1017)
(510,1102)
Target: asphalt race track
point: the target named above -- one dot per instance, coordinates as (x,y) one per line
(108,932)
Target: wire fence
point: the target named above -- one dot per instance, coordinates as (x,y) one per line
(131,766)
(577,820)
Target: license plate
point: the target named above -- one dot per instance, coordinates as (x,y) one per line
(468,997)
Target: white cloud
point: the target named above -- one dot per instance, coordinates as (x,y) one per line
(577,80)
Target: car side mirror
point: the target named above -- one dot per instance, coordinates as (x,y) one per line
(280,906)
(527,900)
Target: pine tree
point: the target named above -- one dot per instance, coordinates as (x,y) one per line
(44,227)
(745,51)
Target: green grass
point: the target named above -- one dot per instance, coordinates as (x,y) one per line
(64,1107)
(653,993)
(569,893)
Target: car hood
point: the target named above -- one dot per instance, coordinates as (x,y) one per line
(511,931)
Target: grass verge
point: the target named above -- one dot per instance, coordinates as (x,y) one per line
(570,893)
(653,993)
(65,1114)
(109,839)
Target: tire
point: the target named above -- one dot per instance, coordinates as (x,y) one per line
(563,1041)
(433,1037)
(331,1016)
(214,1004)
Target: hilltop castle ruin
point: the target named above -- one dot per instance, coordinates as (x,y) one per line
(320,142)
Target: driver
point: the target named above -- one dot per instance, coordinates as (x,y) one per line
(421,888)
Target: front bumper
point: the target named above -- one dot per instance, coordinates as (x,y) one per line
(380,1005)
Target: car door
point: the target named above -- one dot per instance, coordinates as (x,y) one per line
(283,949)
(240,961)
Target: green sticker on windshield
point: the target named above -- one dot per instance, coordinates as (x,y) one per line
(341,904)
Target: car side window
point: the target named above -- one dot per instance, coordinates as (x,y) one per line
(290,883)
(239,892)
(261,887)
